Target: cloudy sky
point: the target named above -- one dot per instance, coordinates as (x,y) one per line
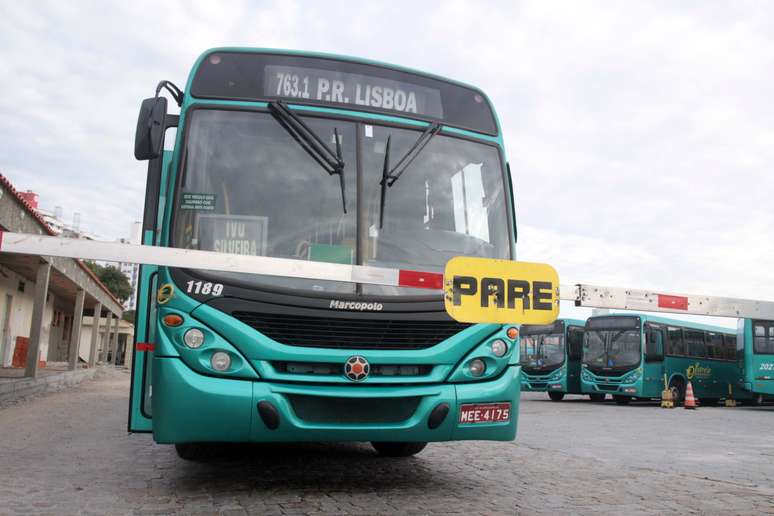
(640,134)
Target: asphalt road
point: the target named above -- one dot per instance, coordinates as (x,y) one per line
(69,453)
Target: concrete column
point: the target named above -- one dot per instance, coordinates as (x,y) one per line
(38,309)
(106,338)
(94,334)
(114,341)
(75,334)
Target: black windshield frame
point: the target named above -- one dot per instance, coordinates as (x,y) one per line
(540,347)
(175,181)
(610,335)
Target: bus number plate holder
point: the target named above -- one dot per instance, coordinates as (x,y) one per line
(478,413)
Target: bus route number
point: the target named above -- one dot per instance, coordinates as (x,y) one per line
(204,288)
(292,85)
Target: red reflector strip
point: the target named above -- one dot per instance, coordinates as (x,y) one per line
(676,302)
(417,279)
(1,239)
(144,346)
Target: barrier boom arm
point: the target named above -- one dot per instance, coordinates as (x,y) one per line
(595,296)
(23,243)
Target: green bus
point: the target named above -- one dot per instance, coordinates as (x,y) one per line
(755,345)
(326,159)
(551,358)
(629,356)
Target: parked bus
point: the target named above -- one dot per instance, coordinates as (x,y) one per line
(326,159)
(629,356)
(755,345)
(551,358)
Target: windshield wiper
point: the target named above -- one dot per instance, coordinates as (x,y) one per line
(389,176)
(331,162)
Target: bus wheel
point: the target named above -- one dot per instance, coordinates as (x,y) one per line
(556,396)
(756,400)
(621,400)
(598,397)
(387,449)
(677,386)
(709,402)
(193,451)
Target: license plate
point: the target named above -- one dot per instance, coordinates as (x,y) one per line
(476,413)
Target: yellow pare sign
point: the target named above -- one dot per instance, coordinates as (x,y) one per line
(482,290)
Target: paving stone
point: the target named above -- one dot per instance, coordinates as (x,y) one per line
(69,453)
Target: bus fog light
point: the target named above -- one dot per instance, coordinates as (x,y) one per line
(220,361)
(193,338)
(477,367)
(499,348)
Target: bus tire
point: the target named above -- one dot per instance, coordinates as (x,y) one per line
(556,396)
(709,402)
(392,449)
(677,386)
(193,451)
(598,397)
(756,400)
(621,400)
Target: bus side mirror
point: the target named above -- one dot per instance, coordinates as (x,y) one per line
(149,136)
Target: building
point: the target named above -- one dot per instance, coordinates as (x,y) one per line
(132,270)
(43,299)
(123,350)
(54,218)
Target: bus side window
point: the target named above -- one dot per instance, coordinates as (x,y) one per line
(574,343)
(654,343)
(675,345)
(715,346)
(695,346)
(763,337)
(729,345)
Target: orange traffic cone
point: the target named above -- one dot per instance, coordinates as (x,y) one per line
(690,401)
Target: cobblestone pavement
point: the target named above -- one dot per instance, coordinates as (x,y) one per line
(68,452)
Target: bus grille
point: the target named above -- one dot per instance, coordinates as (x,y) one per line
(323,409)
(321,332)
(337,369)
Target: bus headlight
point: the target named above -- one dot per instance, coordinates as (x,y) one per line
(193,338)
(220,361)
(499,348)
(477,367)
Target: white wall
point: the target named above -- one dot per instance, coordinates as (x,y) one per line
(21,314)
(85,347)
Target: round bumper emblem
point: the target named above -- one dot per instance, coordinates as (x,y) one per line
(356,368)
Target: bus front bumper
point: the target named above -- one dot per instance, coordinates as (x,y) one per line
(189,407)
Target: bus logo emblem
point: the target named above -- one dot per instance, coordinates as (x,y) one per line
(356,368)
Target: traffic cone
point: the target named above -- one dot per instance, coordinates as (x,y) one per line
(690,401)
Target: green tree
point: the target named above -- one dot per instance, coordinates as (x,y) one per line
(113,279)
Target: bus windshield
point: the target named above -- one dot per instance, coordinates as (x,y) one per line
(249,187)
(611,350)
(542,352)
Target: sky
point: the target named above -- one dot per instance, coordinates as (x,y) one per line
(640,134)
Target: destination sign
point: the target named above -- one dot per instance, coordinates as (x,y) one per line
(260,76)
(481,290)
(232,234)
(350,88)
